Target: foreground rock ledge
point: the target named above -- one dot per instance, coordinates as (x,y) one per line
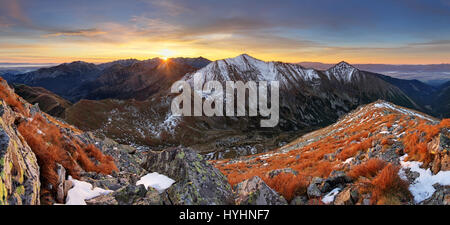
(197,181)
(255,192)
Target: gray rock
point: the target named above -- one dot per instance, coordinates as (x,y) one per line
(254,191)
(19,170)
(60,193)
(313,189)
(299,200)
(348,196)
(275,173)
(197,181)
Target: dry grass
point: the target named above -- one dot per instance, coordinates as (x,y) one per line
(388,188)
(52,146)
(369,169)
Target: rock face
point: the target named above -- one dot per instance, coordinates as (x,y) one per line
(440,146)
(197,181)
(129,195)
(19,171)
(255,192)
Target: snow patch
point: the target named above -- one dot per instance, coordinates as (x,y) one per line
(349,160)
(82,191)
(422,188)
(401,110)
(157,181)
(328,198)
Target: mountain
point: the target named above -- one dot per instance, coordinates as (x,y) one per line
(122,62)
(47,100)
(139,80)
(423,94)
(59,79)
(379,153)
(441,101)
(197,63)
(432,74)
(121,79)
(308,99)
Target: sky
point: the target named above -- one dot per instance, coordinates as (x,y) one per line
(328,31)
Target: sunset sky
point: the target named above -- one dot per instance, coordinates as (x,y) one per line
(329,31)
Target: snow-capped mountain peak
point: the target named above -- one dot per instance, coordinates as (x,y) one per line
(247,68)
(342,71)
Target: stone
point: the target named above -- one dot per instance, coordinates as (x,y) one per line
(129,194)
(254,191)
(348,196)
(19,170)
(274,173)
(108,199)
(60,193)
(313,190)
(299,200)
(197,181)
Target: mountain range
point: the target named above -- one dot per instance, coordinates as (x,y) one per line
(432,74)
(346,136)
(129,100)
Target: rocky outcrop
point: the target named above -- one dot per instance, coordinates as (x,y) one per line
(349,196)
(255,192)
(129,195)
(318,186)
(197,181)
(440,147)
(19,171)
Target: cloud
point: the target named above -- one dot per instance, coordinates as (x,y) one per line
(431,43)
(78,33)
(12,11)
(171,7)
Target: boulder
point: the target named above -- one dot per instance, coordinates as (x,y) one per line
(129,195)
(254,191)
(19,170)
(348,196)
(299,200)
(319,186)
(197,181)
(313,189)
(137,195)
(440,148)
(60,193)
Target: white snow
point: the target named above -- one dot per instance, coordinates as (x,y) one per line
(422,188)
(83,191)
(253,69)
(328,198)
(341,71)
(401,110)
(157,181)
(348,160)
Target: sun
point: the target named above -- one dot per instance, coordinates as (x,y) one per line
(166,53)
